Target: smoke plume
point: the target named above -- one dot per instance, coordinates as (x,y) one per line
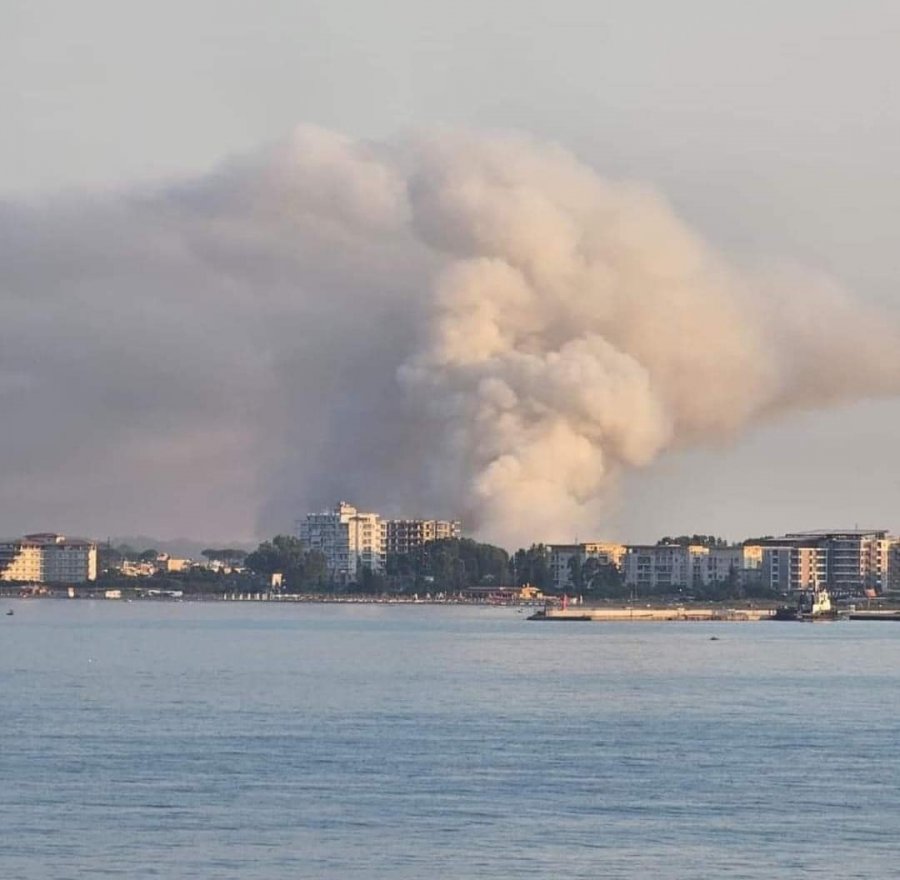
(456,323)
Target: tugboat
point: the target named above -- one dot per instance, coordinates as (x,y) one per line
(814,604)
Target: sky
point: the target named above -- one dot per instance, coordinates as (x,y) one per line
(770,129)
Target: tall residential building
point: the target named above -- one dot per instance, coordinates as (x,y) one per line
(852,560)
(48,558)
(348,539)
(401,536)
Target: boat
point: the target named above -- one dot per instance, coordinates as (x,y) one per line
(812,604)
(9,612)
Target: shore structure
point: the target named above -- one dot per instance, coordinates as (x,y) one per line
(650,615)
(875,615)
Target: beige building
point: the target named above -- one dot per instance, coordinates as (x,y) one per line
(48,558)
(401,536)
(21,560)
(171,564)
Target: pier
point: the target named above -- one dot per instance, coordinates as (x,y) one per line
(628,613)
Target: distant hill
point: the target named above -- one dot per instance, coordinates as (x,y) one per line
(179,547)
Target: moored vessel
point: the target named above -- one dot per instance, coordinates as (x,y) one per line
(812,604)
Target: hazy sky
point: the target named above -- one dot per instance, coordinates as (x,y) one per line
(773,128)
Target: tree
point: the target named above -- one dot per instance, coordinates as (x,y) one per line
(370,582)
(286,554)
(576,572)
(694,540)
(448,564)
(603,579)
(532,566)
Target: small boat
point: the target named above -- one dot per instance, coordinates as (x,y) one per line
(9,612)
(812,604)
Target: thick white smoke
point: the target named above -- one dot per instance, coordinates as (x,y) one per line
(580,327)
(461,324)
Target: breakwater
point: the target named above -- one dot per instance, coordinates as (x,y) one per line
(625,614)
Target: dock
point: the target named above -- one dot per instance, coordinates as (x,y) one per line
(636,614)
(874,615)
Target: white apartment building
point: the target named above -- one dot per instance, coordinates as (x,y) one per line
(48,558)
(348,539)
(658,567)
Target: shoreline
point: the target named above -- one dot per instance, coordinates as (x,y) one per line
(540,611)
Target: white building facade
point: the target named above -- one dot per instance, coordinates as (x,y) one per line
(348,539)
(663,567)
(660,567)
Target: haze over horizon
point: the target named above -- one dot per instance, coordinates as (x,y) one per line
(568,283)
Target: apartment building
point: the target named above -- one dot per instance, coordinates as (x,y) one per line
(742,562)
(662,567)
(852,560)
(348,539)
(402,536)
(48,558)
(561,559)
(659,567)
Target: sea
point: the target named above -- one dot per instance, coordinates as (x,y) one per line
(262,741)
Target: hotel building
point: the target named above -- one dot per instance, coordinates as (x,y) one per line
(48,558)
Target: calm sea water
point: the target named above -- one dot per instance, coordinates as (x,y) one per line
(255,741)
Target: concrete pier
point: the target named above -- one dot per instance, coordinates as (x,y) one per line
(625,614)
